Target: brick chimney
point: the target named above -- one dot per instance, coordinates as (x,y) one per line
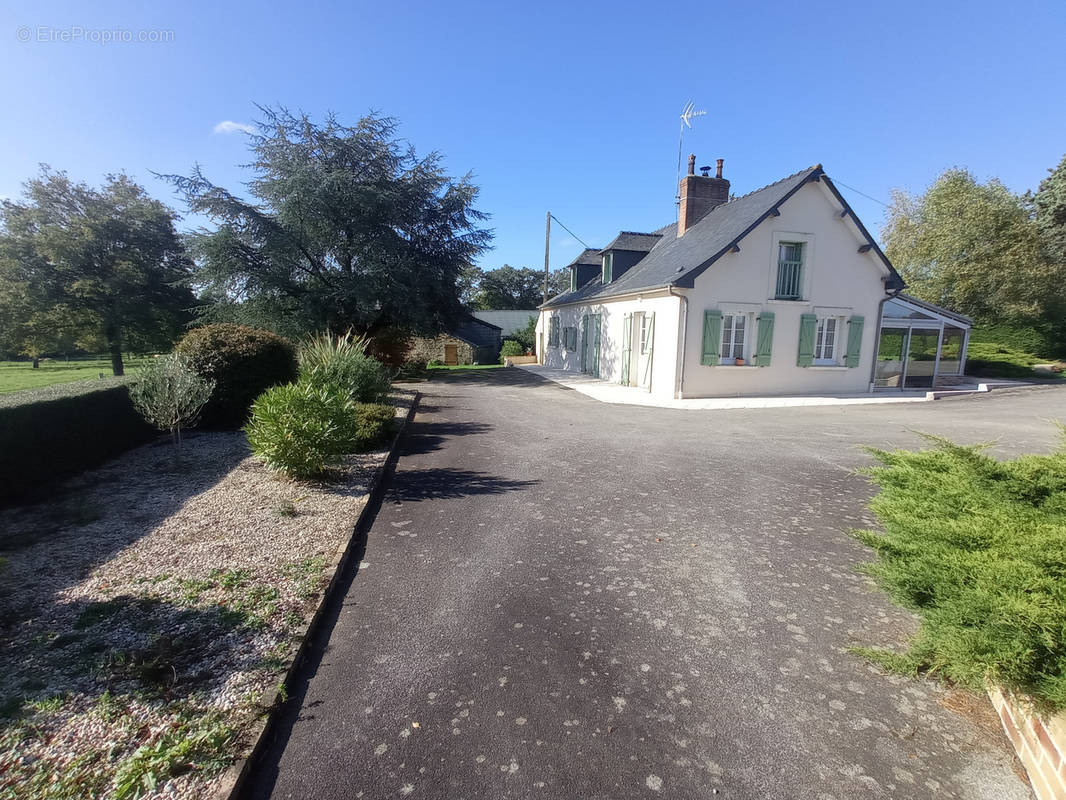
(700,194)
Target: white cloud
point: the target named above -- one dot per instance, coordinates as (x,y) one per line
(229,126)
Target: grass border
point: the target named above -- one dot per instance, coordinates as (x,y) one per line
(234,779)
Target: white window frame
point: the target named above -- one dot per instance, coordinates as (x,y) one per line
(643,334)
(608,268)
(806,268)
(820,357)
(746,345)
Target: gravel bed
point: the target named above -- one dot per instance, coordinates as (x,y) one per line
(147,608)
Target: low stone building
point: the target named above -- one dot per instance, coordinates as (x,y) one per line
(470,341)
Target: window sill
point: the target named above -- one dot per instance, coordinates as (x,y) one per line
(734,366)
(828,368)
(775,301)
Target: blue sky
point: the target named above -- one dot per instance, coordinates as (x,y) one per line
(571,107)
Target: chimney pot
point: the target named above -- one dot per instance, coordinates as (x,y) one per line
(719,173)
(699,197)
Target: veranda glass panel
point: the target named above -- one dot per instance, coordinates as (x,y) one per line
(921,358)
(951,351)
(890,358)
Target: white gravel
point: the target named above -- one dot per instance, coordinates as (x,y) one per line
(211,587)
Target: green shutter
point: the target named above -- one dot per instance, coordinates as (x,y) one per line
(765,341)
(854,341)
(584,344)
(712,337)
(808,328)
(596,345)
(650,339)
(627,346)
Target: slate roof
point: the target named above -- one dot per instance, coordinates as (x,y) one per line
(631,240)
(507,321)
(476,332)
(589,255)
(674,261)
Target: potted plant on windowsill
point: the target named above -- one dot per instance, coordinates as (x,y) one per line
(738,361)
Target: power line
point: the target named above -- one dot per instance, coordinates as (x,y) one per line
(569,231)
(868,197)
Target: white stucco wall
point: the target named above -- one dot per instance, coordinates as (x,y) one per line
(664,345)
(838,280)
(836,276)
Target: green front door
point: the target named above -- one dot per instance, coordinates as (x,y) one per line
(585,343)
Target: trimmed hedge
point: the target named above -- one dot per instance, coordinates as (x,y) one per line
(243,362)
(58,431)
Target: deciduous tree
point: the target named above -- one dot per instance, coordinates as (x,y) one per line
(972,247)
(510,288)
(90,264)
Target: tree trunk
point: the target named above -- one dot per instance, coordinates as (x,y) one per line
(36,362)
(114,346)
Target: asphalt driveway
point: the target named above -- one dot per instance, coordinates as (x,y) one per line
(565,599)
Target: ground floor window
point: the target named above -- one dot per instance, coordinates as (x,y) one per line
(570,338)
(825,345)
(734,328)
(553,332)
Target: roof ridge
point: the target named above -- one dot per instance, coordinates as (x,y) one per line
(774,183)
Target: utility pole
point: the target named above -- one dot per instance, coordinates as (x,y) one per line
(547,238)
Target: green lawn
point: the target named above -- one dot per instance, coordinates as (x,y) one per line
(18,375)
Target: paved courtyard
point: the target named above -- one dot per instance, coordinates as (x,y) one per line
(562,598)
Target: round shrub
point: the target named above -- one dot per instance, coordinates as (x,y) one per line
(511,348)
(373,423)
(342,361)
(243,362)
(301,428)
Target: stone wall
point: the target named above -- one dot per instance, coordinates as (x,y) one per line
(1039,741)
(432,349)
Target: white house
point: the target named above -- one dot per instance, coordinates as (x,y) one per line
(781,291)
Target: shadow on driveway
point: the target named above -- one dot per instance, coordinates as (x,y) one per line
(445,483)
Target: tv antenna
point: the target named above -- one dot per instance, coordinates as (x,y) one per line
(688,113)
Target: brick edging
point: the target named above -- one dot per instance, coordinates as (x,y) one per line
(233,780)
(1039,742)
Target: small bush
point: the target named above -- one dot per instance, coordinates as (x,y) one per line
(242,362)
(302,428)
(978,548)
(374,422)
(169,394)
(342,361)
(415,369)
(511,348)
(436,362)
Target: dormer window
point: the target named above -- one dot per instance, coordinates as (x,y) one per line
(608,267)
(573,279)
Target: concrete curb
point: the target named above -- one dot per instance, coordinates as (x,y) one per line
(231,785)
